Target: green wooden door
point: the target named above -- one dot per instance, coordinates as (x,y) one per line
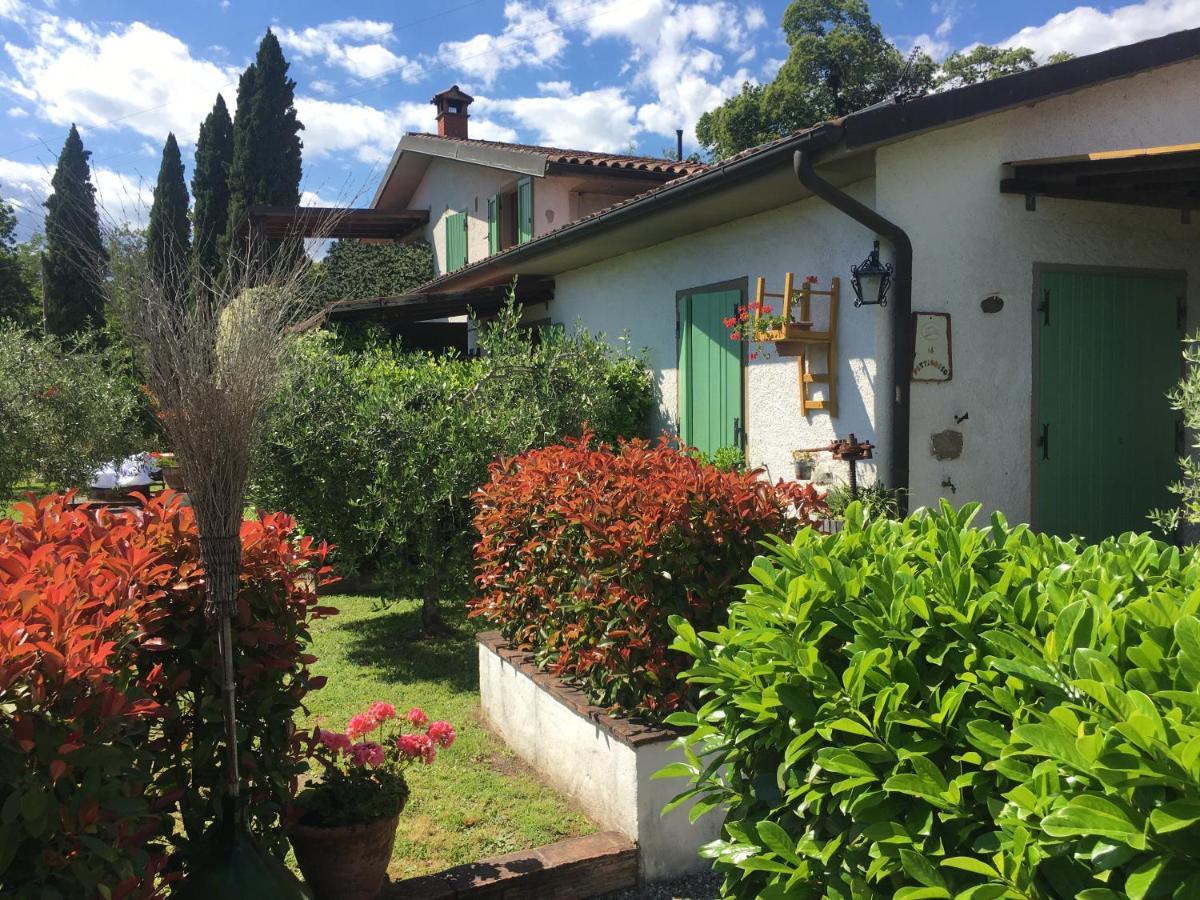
(1108,351)
(456,241)
(710,371)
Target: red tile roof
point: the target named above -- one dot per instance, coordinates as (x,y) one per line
(584,157)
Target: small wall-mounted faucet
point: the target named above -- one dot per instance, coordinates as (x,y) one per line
(958,420)
(947,483)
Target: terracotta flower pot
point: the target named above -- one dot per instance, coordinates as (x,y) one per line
(173,478)
(347,862)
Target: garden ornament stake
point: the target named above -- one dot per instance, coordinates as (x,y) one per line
(208,345)
(851,450)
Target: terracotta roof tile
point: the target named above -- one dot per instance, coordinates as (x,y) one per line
(584,157)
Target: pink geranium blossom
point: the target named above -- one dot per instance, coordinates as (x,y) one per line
(361,724)
(417,717)
(367,753)
(381,712)
(442,733)
(417,746)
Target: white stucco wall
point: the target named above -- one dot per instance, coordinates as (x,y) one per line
(636,292)
(611,781)
(450,186)
(971,241)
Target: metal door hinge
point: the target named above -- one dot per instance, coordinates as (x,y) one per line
(1044,308)
(1044,441)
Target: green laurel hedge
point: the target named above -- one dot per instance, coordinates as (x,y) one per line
(923,709)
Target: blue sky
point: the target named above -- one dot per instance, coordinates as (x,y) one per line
(588,74)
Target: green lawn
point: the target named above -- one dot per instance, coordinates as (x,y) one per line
(477,799)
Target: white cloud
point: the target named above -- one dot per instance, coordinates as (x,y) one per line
(602,119)
(529,38)
(13,9)
(1086,29)
(121,197)
(668,53)
(356,45)
(555,88)
(16,112)
(137,77)
(368,133)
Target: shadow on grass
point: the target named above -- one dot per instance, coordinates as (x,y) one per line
(391,640)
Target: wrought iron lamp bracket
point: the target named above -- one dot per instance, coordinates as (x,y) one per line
(871,267)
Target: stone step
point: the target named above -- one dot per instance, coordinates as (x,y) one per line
(573,869)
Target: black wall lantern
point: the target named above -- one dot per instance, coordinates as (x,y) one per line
(869,270)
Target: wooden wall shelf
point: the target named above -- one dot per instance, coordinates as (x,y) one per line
(798,338)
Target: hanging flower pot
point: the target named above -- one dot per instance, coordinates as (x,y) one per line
(349,815)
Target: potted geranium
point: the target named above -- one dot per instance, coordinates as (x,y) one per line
(172,474)
(350,812)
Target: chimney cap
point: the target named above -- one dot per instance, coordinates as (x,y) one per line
(452,93)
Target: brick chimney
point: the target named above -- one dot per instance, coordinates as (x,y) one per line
(452,112)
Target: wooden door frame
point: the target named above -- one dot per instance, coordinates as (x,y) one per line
(741,285)
(1040,269)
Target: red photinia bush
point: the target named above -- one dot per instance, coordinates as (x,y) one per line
(109,711)
(585,552)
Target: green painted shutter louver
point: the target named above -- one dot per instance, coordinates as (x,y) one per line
(524,210)
(456,241)
(494,224)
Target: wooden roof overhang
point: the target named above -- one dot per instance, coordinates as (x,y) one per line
(1163,177)
(420,307)
(279,222)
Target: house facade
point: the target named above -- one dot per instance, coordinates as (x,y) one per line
(1044,257)
(485,197)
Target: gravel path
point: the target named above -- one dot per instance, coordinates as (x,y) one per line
(694,887)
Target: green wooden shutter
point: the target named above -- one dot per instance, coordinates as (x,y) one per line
(1108,352)
(456,241)
(524,210)
(710,371)
(494,224)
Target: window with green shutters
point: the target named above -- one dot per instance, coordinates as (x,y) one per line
(494,224)
(456,241)
(524,210)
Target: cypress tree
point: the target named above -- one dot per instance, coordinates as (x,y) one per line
(167,236)
(210,186)
(266,136)
(75,258)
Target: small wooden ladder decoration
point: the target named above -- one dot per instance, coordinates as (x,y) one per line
(798,338)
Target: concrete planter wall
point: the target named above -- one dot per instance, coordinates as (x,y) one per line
(602,763)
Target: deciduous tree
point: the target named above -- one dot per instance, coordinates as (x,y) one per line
(838,61)
(16,299)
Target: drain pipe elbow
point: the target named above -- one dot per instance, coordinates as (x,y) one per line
(901,305)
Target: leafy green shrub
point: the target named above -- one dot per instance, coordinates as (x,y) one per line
(62,412)
(110,717)
(379,451)
(352,270)
(875,500)
(586,550)
(727,459)
(922,709)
